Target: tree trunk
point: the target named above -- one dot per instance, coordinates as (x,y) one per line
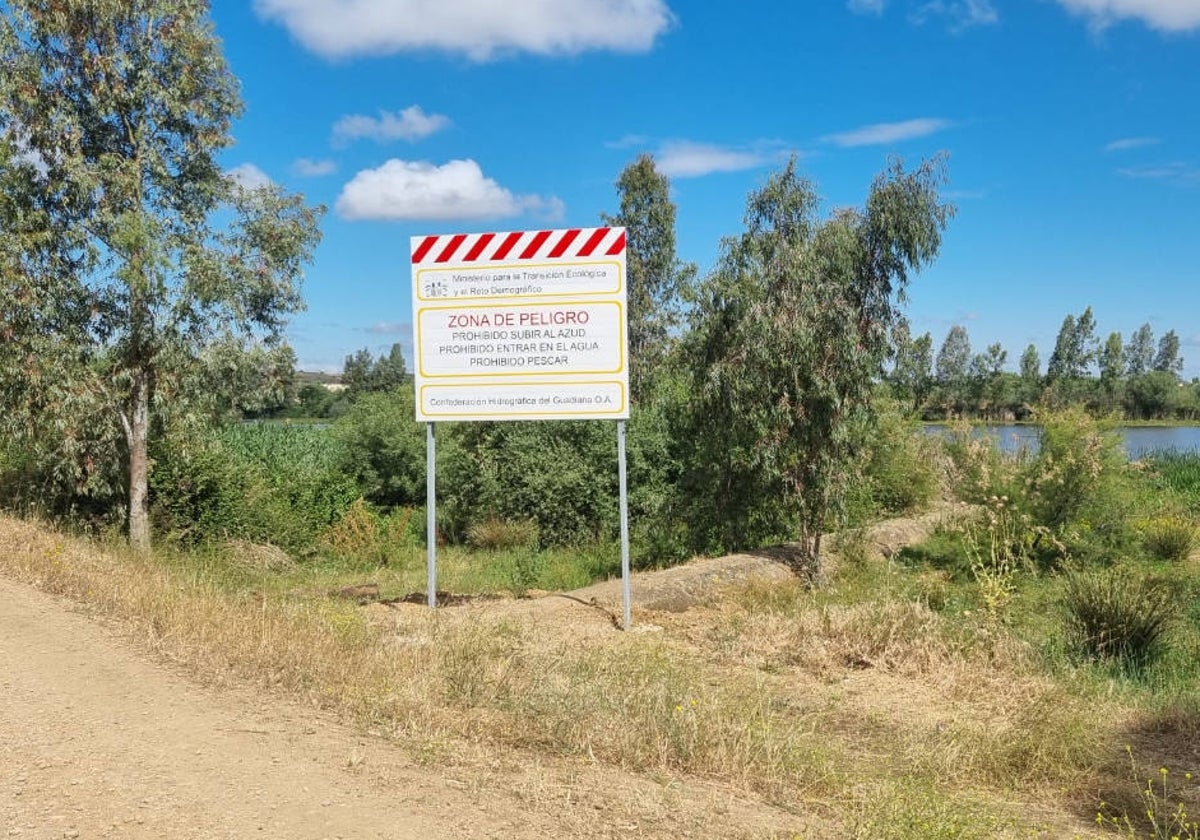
(139,465)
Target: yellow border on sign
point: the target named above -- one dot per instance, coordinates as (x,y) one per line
(502,265)
(621,346)
(619,410)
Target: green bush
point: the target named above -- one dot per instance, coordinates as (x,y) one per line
(560,475)
(362,536)
(977,470)
(1169,538)
(263,482)
(382,448)
(657,451)
(1119,616)
(901,471)
(68,469)
(1081,488)
(498,534)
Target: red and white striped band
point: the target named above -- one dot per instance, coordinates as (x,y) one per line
(518,245)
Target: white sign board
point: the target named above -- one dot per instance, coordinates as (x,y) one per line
(528,325)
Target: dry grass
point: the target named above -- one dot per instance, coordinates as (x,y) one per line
(956,702)
(846,710)
(632,703)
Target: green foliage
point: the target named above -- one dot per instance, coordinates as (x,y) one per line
(127,251)
(560,475)
(1112,368)
(314,401)
(364,374)
(789,335)
(263,482)
(913,808)
(1169,538)
(498,534)
(63,468)
(1080,487)
(1103,378)
(944,550)
(1075,348)
(1167,359)
(901,470)
(657,281)
(978,470)
(1139,355)
(1116,615)
(999,547)
(661,532)
(911,376)
(363,537)
(1178,472)
(952,360)
(382,448)
(1151,395)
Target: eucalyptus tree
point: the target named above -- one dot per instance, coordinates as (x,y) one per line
(1139,354)
(657,281)
(1167,359)
(986,375)
(1031,373)
(1112,366)
(912,372)
(790,334)
(127,251)
(953,366)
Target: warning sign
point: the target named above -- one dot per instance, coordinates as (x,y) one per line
(523,325)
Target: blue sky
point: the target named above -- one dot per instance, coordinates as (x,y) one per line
(1072,128)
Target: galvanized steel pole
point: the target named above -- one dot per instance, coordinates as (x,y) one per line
(626,595)
(431,513)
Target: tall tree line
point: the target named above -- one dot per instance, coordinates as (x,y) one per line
(1140,377)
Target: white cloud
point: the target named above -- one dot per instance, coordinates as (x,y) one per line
(959,14)
(309,168)
(686,159)
(866,7)
(410,124)
(249,177)
(403,190)
(1164,15)
(1184,174)
(1131,143)
(479,29)
(882,134)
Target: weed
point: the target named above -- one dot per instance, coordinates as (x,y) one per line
(912,808)
(1169,538)
(996,556)
(494,533)
(1179,471)
(1159,819)
(1116,615)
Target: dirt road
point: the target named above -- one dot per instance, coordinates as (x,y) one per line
(98,741)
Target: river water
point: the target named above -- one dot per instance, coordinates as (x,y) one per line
(1139,440)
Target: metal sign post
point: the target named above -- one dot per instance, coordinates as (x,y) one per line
(431,513)
(625,593)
